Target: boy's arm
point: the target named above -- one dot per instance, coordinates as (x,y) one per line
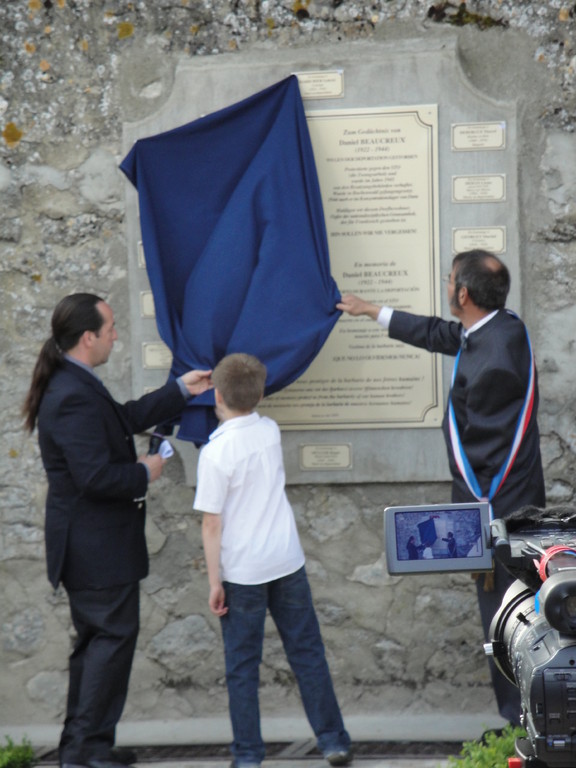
(211,537)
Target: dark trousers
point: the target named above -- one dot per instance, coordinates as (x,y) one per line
(490,597)
(507,695)
(107,623)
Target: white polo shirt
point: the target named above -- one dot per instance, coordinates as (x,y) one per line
(241,476)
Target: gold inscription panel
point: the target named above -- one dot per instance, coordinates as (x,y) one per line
(378,176)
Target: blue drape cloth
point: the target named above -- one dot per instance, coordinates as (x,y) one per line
(427,531)
(235,242)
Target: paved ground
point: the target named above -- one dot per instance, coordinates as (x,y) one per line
(166,740)
(286,761)
(208,762)
(358,763)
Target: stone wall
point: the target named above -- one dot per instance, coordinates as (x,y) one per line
(70,73)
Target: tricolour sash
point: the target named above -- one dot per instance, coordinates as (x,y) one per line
(521,426)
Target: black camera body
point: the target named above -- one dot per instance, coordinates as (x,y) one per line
(533,634)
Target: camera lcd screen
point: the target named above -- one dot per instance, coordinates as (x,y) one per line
(438,538)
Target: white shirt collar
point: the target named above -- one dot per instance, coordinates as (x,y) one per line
(480,323)
(236,423)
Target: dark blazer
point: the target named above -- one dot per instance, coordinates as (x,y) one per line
(95,508)
(488,394)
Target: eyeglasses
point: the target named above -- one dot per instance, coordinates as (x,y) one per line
(447,279)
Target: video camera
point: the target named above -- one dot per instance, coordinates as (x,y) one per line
(533,634)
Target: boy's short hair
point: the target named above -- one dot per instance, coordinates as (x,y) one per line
(240,379)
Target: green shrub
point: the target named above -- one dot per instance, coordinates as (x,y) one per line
(492,751)
(17,755)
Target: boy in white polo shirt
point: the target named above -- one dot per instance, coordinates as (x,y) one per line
(256,563)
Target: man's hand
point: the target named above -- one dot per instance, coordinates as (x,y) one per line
(155,464)
(197,382)
(355,306)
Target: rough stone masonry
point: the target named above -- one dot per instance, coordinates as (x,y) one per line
(71,71)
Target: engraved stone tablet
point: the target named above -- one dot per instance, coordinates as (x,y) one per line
(141,258)
(381,208)
(321,84)
(155,354)
(378,176)
(147,309)
(323,456)
(484,188)
(491,239)
(468,137)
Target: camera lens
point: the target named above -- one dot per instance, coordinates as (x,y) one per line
(570,607)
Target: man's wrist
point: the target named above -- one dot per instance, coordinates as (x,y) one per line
(183,388)
(146,467)
(384,317)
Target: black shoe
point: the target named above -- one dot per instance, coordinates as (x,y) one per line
(495,732)
(123,755)
(104,764)
(119,758)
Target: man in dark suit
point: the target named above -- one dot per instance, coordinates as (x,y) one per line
(95,512)
(494,385)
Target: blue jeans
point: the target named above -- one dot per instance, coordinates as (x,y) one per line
(290,603)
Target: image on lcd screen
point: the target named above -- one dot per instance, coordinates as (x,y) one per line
(426,535)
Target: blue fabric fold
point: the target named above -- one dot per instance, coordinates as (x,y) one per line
(235,242)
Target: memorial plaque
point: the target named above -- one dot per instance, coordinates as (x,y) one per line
(147,309)
(469,137)
(348,396)
(321,85)
(491,239)
(141,257)
(325,457)
(482,188)
(378,176)
(156,355)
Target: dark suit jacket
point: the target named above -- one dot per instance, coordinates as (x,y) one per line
(95,509)
(488,394)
